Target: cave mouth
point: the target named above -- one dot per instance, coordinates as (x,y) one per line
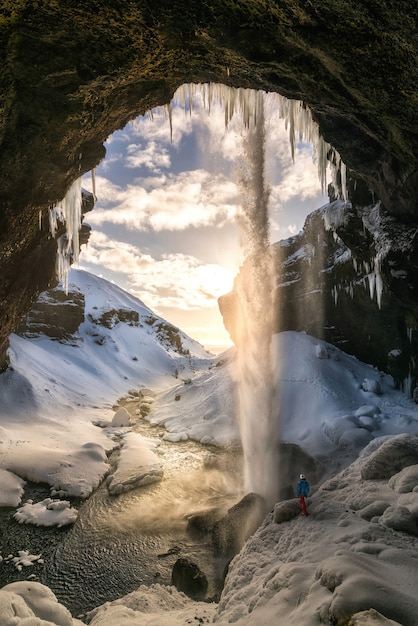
(167,224)
(191,192)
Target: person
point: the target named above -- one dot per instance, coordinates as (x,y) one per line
(302,491)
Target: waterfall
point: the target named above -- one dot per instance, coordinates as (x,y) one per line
(255,288)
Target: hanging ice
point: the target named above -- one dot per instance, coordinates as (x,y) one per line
(67,211)
(296,114)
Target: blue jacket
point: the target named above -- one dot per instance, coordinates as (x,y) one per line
(302,488)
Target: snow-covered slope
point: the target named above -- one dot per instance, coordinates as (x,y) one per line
(355,551)
(55,391)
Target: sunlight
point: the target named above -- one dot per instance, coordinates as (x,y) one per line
(166,223)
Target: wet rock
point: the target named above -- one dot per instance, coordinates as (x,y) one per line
(241,521)
(203,522)
(189,578)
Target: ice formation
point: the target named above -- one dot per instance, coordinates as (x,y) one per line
(296,114)
(67,211)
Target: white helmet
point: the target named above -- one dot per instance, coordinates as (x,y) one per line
(302,476)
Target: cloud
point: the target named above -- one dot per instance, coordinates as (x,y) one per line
(174,280)
(152,156)
(188,200)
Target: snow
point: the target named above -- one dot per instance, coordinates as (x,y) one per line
(11,488)
(32,604)
(354,555)
(138,465)
(48,512)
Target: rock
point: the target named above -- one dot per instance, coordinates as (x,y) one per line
(371,618)
(406,480)
(391,457)
(285,511)
(55,314)
(241,521)
(187,577)
(121,418)
(400,518)
(144,408)
(203,522)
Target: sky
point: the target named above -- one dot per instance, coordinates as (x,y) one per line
(165,224)
(357,549)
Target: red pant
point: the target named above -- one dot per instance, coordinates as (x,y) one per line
(303,505)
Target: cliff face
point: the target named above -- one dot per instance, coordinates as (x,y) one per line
(73,74)
(350,278)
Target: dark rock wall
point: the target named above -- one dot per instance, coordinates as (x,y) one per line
(72,73)
(328,285)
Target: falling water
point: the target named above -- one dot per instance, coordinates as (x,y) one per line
(258,421)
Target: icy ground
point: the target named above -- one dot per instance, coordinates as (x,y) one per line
(357,549)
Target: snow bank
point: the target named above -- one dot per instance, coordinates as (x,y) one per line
(32,604)
(202,408)
(153,606)
(11,488)
(137,465)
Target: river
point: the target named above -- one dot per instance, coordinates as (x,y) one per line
(120,542)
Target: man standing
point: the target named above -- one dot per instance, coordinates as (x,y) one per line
(302,491)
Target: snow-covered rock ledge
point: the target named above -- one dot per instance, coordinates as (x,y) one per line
(356,551)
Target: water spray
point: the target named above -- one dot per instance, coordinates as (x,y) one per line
(255,292)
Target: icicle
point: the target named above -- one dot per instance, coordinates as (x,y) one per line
(298,121)
(67,210)
(170,117)
(40,220)
(379,286)
(372,282)
(93,183)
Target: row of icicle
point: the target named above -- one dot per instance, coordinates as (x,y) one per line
(235,101)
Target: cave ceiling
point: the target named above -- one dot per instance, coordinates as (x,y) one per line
(72,73)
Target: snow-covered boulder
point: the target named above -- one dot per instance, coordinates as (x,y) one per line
(32,604)
(121,418)
(406,480)
(400,518)
(286,510)
(138,465)
(391,457)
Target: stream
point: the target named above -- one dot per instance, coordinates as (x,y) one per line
(120,542)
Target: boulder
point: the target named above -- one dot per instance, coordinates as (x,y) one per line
(241,521)
(121,418)
(391,457)
(187,577)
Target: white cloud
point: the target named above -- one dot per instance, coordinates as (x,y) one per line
(190,199)
(152,156)
(174,280)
